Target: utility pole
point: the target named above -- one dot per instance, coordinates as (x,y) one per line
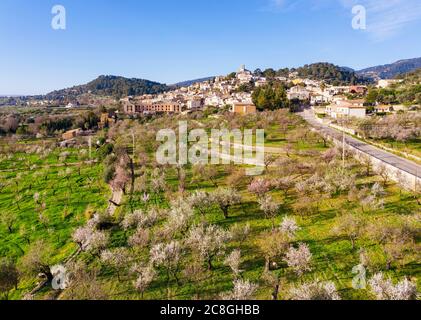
(343,144)
(90,147)
(343,149)
(134,145)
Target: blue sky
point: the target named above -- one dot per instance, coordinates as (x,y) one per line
(174,40)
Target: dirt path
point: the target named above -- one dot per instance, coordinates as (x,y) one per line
(115,201)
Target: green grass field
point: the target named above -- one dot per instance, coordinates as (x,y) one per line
(48,197)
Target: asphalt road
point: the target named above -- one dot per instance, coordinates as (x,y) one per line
(387,157)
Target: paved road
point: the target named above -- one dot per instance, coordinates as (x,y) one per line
(387,157)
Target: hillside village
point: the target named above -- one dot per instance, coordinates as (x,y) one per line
(229,91)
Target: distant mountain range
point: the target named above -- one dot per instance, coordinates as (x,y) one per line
(390,71)
(191,82)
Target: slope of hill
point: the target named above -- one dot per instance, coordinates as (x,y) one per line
(407,92)
(111,86)
(390,71)
(413,77)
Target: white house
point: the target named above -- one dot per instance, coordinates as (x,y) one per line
(387,83)
(298,92)
(334,90)
(214,101)
(194,103)
(349,108)
(320,98)
(260,82)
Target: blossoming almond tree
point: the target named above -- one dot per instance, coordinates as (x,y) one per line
(299,259)
(226,198)
(315,291)
(167,256)
(290,227)
(208,242)
(233,260)
(384,289)
(270,208)
(243,290)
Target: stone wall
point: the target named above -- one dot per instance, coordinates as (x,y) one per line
(408,180)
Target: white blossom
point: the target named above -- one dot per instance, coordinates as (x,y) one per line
(139,239)
(208,242)
(299,259)
(315,291)
(269,207)
(179,217)
(145,276)
(200,200)
(243,290)
(139,219)
(384,289)
(225,198)
(289,226)
(90,240)
(117,258)
(167,255)
(233,261)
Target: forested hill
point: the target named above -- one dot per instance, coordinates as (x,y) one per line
(329,73)
(112,86)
